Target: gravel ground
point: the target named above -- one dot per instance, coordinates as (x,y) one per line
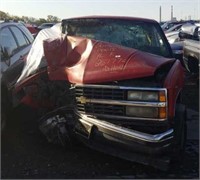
(25,154)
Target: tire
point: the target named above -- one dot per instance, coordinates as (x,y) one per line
(180,131)
(3,120)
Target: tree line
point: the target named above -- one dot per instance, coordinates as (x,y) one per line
(31,20)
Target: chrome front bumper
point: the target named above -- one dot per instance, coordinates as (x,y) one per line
(118,133)
(125,143)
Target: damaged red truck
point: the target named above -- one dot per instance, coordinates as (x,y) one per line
(112,83)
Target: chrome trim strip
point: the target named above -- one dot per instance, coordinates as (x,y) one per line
(124,103)
(124,117)
(156,138)
(119,87)
(163,104)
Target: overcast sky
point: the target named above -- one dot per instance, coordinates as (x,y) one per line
(73,8)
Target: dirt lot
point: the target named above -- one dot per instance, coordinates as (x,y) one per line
(25,153)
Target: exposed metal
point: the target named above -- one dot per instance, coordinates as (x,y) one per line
(128,132)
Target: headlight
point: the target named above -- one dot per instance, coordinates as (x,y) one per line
(153,96)
(142,112)
(146,112)
(149,104)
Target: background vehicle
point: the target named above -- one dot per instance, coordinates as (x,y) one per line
(15,44)
(176,40)
(191,49)
(172,34)
(33,29)
(45,25)
(169,24)
(113,83)
(176,27)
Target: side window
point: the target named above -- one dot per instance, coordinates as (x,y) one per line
(21,38)
(7,41)
(27,33)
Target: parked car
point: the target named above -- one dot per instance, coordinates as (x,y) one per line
(33,29)
(45,25)
(177,42)
(172,37)
(15,44)
(176,27)
(172,34)
(113,84)
(191,50)
(169,24)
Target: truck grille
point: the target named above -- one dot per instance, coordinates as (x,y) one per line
(100,93)
(111,102)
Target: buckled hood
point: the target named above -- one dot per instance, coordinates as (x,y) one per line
(82,60)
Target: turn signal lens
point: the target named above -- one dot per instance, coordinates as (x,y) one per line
(162,96)
(162,112)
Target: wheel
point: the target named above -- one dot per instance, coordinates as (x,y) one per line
(56,126)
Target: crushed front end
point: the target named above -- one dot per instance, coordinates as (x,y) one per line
(115,99)
(126,121)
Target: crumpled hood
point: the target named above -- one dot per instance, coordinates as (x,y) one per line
(81,60)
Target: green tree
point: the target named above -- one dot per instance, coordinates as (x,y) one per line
(40,21)
(4,15)
(51,18)
(26,19)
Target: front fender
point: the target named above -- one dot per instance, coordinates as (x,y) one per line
(174,83)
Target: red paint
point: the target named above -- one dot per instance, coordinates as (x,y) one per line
(35,103)
(103,61)
(83,61)
(28,81)
(115,17)
(33,29)
(174,83)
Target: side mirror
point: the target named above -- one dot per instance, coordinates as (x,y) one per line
(6,53)
(177,50)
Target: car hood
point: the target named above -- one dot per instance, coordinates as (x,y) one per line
(82,60)
(168,34)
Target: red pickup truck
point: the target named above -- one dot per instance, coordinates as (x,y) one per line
(112,83)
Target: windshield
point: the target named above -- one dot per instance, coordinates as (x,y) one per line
(139,35)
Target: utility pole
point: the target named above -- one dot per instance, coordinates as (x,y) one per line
(160,13)
(171,12)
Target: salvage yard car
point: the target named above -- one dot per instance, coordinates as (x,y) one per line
(112,83)
(191,50)
(15,43)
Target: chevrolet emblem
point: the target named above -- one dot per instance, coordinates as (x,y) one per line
(82,99)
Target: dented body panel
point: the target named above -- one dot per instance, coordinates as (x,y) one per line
(121,96)
(93,61)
